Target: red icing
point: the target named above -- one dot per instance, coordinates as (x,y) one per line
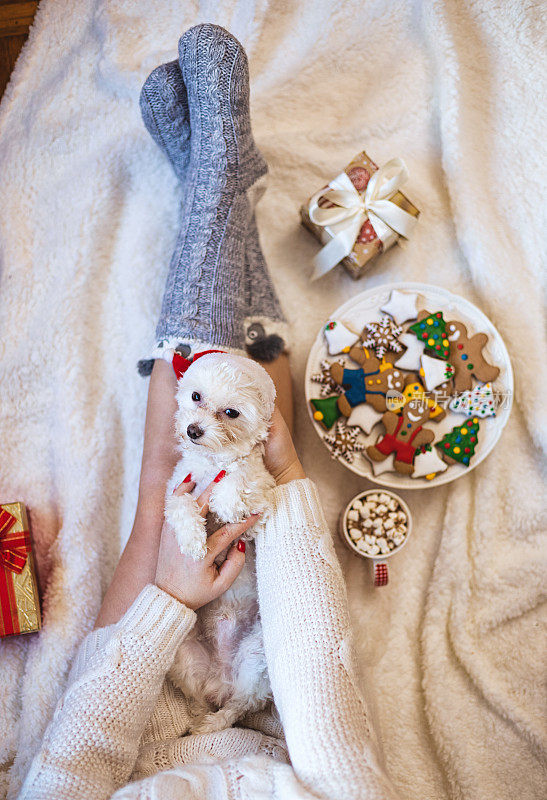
(447,445)
(460,347)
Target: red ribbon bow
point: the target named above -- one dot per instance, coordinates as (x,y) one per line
(15,546)
(181,364)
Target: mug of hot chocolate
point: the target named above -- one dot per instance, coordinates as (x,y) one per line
(376,525)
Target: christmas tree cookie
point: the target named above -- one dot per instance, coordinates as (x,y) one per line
(430,329)
(459,445)
(326,411)
(479,401)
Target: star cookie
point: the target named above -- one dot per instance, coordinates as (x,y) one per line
(378,467)
(364,416)
(411,359)
(401,306)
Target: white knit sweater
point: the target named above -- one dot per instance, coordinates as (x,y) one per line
(119,730)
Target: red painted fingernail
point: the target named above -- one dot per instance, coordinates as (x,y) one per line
(187,479)
(241,546)
(220,476)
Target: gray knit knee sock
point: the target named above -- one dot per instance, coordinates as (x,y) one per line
(240,309)
(164,110)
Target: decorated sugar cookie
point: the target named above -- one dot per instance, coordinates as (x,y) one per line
(427,464)
(434,372)
(479,401)
(379,467)
(343,442)
(382,336)
(404,436)
(364,416)
(339,338)
(368,384)
(328,385)
(411,358)
(401,306)
(430,329)
(467,358)
(325,410)
(459,445)
(417,391)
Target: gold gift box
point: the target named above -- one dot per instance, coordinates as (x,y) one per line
(367,245)
(19,600)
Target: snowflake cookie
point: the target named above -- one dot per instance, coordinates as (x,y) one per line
(343,443)
(382,337)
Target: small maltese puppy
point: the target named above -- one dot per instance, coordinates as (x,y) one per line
(225,405)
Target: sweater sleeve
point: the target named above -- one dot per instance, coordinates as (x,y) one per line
(90,746)
(303,606)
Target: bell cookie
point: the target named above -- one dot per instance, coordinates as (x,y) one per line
(339,338)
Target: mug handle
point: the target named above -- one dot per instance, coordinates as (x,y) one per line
(381,577)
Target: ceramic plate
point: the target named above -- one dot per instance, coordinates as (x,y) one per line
(365,307)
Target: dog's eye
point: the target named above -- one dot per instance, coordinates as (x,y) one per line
(231,412)
(196,397)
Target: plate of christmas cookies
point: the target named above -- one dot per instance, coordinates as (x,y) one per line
(409,385)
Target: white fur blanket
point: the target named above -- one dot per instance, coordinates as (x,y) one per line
(451,650)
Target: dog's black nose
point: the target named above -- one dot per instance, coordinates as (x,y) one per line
(194,431)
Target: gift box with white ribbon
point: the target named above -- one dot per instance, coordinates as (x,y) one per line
(359,214)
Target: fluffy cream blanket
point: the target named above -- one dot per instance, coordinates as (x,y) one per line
(452,651)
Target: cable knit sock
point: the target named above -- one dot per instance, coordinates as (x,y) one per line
(164,111)
(166,115)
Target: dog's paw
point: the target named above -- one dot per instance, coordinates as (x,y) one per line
(181,512)
(215,721)
(227,503)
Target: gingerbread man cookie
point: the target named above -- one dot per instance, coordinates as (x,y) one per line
(404,436)
(368,384)
(466,357)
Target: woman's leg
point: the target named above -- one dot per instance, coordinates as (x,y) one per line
(218,284)
(166,115)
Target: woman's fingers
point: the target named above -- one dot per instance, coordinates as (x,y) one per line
(205,496)
(230,569)
(222,538)
(185,487)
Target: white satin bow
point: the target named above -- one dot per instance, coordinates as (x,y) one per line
(352,209)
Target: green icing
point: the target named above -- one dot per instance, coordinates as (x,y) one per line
(328,407)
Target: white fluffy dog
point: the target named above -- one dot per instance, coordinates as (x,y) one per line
(225,404)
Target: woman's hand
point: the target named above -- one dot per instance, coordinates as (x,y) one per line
(280,456)
(196,583)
